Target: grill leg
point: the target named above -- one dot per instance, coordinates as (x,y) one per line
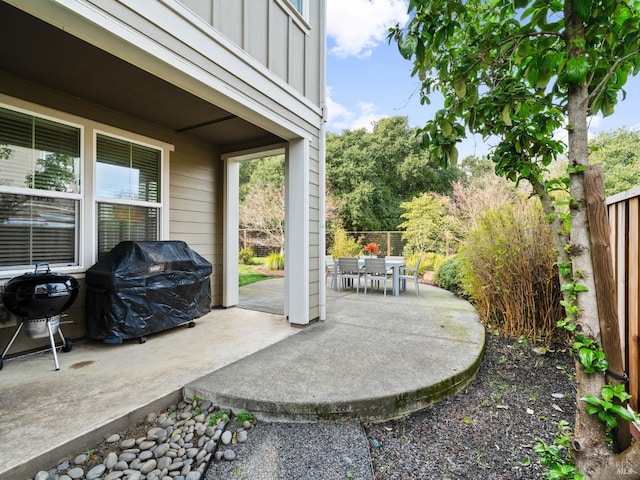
(53,344)
(12,339)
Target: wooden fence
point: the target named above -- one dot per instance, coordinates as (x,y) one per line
(623,210)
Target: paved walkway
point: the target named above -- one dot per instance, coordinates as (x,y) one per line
(375,357)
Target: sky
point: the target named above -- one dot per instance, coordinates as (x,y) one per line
(367,79)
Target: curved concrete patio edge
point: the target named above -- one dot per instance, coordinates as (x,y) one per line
(376,358)
(374,409)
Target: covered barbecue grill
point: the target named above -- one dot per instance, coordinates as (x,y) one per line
(145,287)
(38,299)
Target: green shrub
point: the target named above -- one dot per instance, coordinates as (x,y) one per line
(344,245)
(508,270)
(246,256)
(449,277)
(275,261)
(431,261)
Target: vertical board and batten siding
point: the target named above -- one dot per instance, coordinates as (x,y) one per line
(284,44)
(624,220)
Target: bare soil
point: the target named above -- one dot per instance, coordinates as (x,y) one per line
(488,430)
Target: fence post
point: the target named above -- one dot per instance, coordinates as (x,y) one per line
(605,287)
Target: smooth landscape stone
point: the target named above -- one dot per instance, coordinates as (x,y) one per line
(121,466)
(76,472)
(161,450)
(247,424)
(229,455)
(192,452)
(242,436)
(226,437)
(111,460)
(134,476)
(151,417)
(147,444)
(148,466)
(193,476)
(96,471)
(146,455)
(126,457)
(113,438)
(41,475)
(164,462)
(80,459)
(114,475)
(128,443)
(219,455)
(63,466)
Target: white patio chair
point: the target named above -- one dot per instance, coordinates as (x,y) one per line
(329,269)
(348,269)
(376,270)
(410,273)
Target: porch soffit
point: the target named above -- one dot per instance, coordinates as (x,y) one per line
(43,54)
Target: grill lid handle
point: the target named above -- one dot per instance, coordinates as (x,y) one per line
(42,265)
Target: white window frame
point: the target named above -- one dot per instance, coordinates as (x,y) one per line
(142,141)
(87,220)
(300,17)
(32,192)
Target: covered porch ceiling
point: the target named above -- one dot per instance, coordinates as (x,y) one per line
(46,55)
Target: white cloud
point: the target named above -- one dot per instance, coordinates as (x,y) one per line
(341,118)
(358,26)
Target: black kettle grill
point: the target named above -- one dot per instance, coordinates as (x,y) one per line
(38,299)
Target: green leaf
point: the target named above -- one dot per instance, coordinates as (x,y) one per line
(408,46)
(506,116)
(586,357)
(591,399)
(583,8)
(591,409)
(577,69)
(622,412)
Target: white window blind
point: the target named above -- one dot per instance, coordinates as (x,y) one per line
(38,156)
(129,174)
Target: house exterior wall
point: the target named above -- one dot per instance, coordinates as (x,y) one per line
(257,59)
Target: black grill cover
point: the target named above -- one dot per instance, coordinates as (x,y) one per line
(140,288)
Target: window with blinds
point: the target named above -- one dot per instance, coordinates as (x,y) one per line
(129,174)
(38,157)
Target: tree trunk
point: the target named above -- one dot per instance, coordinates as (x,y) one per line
(589,445)
(558,232)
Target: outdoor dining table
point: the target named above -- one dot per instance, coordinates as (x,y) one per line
(393,263)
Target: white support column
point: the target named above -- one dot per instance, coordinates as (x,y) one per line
(296,301)
(230,295)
